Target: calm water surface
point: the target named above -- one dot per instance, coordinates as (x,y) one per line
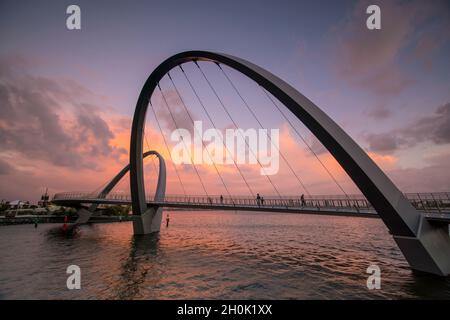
(212,255)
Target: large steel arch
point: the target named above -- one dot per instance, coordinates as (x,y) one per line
(426,247)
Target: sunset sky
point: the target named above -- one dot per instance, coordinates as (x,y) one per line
(67,96)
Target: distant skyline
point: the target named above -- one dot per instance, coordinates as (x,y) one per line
(67,97)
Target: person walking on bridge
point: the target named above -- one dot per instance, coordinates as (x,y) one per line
(221,199)
(258,199)
(302,199)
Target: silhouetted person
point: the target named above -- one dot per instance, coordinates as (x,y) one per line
(258,199)
(221,199)
(262,201)
(302,199)
(167,221)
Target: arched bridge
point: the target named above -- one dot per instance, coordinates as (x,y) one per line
(435,206)
(424,243)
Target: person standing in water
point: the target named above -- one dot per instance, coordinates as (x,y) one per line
(65,224)
(167,221)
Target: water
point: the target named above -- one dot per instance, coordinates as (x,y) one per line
(213,255)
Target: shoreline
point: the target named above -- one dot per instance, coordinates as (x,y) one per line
(4,221)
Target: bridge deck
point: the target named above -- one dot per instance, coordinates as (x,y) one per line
(434,215)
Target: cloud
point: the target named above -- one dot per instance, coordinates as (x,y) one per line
(94,132)
(429,178)
(379,113)
(5,167)
(434,128)
(174,115)
(433,37)
(383,142)
(316,145)
(371,59)
(46,119)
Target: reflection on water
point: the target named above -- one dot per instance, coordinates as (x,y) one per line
(215,255)
(143,253)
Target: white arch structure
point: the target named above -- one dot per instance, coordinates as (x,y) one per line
(85,214)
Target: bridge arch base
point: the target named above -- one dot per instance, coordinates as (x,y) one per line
(429,250)
(149,222)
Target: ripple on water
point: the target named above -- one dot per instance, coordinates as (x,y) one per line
(212,255)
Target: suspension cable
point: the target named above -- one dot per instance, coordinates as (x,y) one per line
(190,153)
(268,136)
(304,141)
(235,125)
(214,125)
(100,188)
(148,149)
(203,143)
(127,183)
(121,185)
(167,148)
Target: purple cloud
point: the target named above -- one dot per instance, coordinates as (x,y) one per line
(372,59)
(35,120)
(434,128)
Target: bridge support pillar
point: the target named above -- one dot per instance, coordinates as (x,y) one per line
(148,218)
(83,216)
(148,222)
(429,251)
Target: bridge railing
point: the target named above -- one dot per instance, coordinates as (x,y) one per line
(439,201)
(422,201)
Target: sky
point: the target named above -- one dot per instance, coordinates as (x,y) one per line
(67,96)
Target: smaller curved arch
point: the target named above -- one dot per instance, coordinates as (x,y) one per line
(84,215)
